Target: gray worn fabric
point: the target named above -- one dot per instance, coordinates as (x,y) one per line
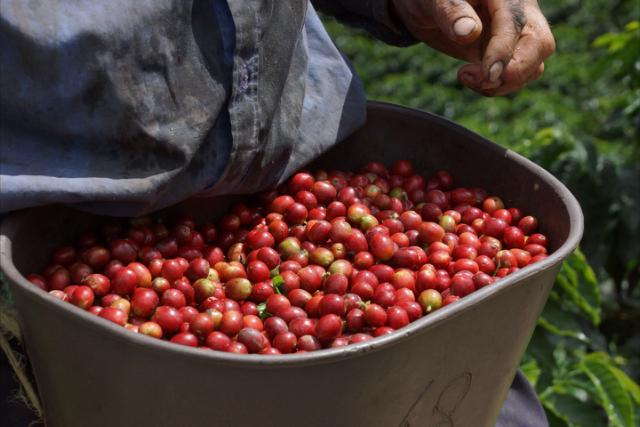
(124,107)
(522,407)
(107,101)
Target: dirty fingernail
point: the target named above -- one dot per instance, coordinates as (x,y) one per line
(464,26)
(495,71)
(467,79)
(491,85)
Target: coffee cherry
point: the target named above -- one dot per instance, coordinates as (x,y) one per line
(329,326)
(185,338)
(168,318)
(325,260)
(144,302)
(375,315)
(82,296)
(114,315)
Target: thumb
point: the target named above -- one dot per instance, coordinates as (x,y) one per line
(456,19)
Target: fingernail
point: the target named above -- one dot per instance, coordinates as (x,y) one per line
(495,71)
(464,26)
(491,85)
(467,79)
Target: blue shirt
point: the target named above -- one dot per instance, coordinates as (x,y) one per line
(124,107)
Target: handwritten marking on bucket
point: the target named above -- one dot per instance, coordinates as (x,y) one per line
(450,397)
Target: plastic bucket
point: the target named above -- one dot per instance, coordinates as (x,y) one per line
(452,367)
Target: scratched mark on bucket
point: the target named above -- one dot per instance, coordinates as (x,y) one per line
(450,397)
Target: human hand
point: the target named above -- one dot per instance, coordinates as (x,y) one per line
(504,41)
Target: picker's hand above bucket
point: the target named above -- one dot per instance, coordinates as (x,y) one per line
(505,41)
(450,26)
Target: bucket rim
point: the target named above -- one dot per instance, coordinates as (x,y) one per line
(11,224)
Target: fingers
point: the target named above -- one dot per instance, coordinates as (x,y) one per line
(507,19)
(450,26)
(526,63)
(470,75)
(509,87)
(504,59)
(538,73)
(456,19)
(470,53)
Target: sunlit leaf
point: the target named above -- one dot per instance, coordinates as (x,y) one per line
(531,370)
(630,386)
(616,401)
(277,283)
(262,310)
(579,282)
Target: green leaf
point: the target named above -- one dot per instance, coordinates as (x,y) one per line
(630,386)
(616,401)
(531,370)
(277,283)
(579,384)
(262,310)
(554,420)
(276,271)
(578,281)
(541,350)
(632,26)
(560,322)
(573,411)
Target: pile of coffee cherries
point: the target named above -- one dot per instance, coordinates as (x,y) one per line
(326,260)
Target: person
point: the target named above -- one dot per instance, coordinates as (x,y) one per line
(125,107)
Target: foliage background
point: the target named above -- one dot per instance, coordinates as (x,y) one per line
(581,121)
